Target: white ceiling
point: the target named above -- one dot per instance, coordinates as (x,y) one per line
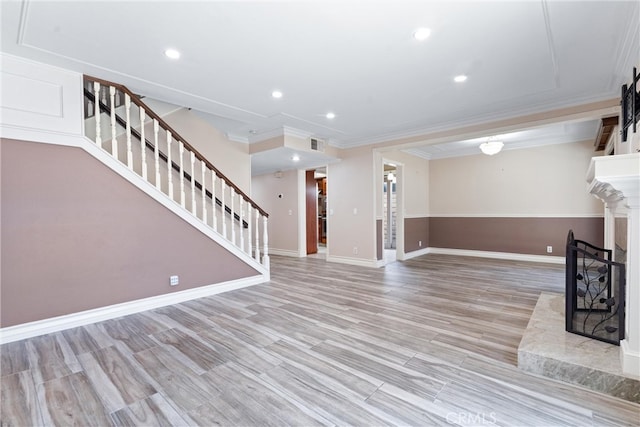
(357,59)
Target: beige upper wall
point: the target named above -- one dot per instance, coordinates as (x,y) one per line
(548,180)
(231,158)
(283,211)
(350,185)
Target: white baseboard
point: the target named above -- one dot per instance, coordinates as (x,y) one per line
(286,252)
(54,324)
(413,254)
(630,361)
(353,261)
(498,255)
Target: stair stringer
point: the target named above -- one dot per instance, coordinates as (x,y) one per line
(150,189)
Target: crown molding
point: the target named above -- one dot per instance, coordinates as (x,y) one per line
(281,131)
(236,138)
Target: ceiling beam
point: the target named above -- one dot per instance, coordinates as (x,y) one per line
(607,124)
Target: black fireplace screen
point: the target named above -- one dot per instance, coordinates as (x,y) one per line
(595,289)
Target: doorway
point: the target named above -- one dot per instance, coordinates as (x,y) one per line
(390,210)
(316,211)
(311,204)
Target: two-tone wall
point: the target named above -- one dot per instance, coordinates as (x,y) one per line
(518,201)
(83,237)
(77,236)
(413,184)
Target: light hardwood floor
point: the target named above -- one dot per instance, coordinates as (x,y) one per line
(431,341)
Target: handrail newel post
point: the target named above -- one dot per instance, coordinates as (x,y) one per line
(265,242)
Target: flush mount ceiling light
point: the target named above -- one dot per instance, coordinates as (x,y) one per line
(276,94)
(459,79)
(295,158)
(421,34)
(172,54)
(491,147)
(330,116)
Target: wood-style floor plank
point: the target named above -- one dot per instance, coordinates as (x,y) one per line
(19,400)
(429,341)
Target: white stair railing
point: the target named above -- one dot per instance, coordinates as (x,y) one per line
(202,188)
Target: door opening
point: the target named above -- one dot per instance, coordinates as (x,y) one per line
(389,217)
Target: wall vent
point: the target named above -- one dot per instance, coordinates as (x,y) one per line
(317,144)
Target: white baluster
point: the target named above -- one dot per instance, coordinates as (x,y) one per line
(249,242)
(156,153)
(203,168)
(193,183)
(127,105)
(169,166)
(257,230)
(233,217)
(224,211)
(143,145)
(181,151)
(240,214)
(114,141)
(265,242)
(96,94)
(213,198)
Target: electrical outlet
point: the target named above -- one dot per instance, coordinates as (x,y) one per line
(420,243)
(355,250)
(549,249)
(174,280)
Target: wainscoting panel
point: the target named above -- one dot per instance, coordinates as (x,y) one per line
(522,235)
(416,234)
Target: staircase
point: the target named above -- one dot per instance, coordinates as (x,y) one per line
(120,123)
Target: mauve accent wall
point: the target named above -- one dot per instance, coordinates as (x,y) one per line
(513,235)
(416,230)
(77,236)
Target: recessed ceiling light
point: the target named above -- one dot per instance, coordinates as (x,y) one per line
(172,53)
(276,94)
(459,79)
(330,116)
(421,34)
(295,158)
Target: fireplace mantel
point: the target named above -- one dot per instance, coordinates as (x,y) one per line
(616,181)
